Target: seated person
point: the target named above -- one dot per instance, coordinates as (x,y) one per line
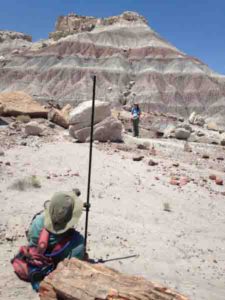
(51,238)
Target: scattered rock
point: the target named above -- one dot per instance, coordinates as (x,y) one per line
(33,128)
(174,181)
(212,176)
(8,163)
(176,164)
(152,163)
(138,158)
(182,134)
(205,156)
(219,181)
(183,181)
(143,146)
(2,152)
(220,158)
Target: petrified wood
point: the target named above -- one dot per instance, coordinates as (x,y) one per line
(77,280)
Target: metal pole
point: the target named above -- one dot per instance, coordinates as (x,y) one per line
(90,163)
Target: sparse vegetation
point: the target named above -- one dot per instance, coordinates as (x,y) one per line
(23,118)
(166,207)
(26,183)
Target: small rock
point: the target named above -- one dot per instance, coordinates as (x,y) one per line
(174,181)
(33,128)
(144,146)
(51,125)
(2,153)
(183,181)
(219,181)
(205,156)
(8,163)
(152,163)
(182,134)
(212,176)
(175,164)
(23,143)
(138,158)
(220,158)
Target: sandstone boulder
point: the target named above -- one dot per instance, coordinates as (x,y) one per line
(182,134)
(109,129)
(56,116)
(20,103)
(80,117)
(211,125)
(77,280)
(33,128)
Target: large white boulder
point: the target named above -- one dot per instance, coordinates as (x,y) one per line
(109,129)
(80,117)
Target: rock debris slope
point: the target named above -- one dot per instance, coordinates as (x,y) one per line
(129,58)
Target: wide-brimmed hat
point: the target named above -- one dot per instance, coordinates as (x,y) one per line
(62,212)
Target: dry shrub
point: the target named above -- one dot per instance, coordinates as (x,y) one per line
(22,184)
(23,118)
(166,207)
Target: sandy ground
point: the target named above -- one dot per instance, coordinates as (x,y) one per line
(183,249)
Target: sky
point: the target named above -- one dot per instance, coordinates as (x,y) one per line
(197,27)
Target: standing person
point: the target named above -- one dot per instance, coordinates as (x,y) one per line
(51,238)
(135,117)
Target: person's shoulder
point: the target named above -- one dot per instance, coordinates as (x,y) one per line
(38,219)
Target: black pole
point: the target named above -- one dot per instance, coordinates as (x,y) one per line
(90,163)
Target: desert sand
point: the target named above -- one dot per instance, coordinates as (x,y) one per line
(182,248)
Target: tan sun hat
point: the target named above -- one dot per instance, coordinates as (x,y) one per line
(62,212)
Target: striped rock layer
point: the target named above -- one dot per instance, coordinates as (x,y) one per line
(130,59)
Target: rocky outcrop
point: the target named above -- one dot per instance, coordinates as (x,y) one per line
(12,35)
(74,279)
(73,23)
(19,103)
(120,50)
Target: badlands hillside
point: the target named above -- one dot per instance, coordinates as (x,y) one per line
(129,58)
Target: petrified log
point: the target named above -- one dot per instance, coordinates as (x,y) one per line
(77,280)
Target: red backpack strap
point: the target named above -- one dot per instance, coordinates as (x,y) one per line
(43,241)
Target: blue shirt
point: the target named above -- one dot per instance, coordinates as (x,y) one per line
(135,112)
